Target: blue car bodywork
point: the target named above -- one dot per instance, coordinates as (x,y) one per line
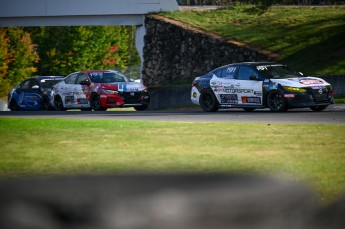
(33,93)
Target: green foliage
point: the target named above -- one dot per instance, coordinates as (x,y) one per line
(67,49)
(309,39)
(17,57)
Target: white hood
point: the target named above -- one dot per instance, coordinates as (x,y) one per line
(301,82)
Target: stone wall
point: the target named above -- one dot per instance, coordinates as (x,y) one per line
(176,53)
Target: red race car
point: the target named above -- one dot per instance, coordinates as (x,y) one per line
(99,90)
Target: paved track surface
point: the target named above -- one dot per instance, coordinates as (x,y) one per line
(334,114)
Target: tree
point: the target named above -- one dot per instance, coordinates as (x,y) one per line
(67,49)
(17,57)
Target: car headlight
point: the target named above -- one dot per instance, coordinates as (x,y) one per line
(295,89)
(108,91)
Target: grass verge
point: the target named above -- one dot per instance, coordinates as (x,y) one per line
(310,153)
(309,39)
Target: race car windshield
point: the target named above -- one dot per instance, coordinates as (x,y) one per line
(107,77)
(277,72)
(49,83)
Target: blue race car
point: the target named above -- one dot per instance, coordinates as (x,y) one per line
(33,93)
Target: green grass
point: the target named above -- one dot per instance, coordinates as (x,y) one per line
(309,39)
(339,100)
(309,153)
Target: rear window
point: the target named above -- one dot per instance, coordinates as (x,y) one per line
(49,83)
(107,77)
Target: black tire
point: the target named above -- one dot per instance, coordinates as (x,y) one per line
(96,103)
(13,106)
(208,101)
(140,108)
(45,105)
(276,101)
(248,109)
(58,105)
(319,108)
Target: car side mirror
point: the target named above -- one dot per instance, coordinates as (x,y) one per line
(254,78)
(85,82)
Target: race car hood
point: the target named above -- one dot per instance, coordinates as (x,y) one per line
(122,87)
(301,82)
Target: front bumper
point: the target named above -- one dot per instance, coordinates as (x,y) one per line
(313,97)
(125,99)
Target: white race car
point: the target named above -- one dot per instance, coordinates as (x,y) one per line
(99,90)
(258,85)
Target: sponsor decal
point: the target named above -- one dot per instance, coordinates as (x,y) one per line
(317,87)
(264,67)
(310,82)
(243,91)
(228,98)
(251,99)
(289,95)
(258,93)
(195,94)
(231,69)
(82,101)
(69,99)
(216,83)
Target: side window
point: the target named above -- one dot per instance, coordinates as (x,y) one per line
(229,73)
(71,79)
(245,73)
(82,78)
(218,73)
(25,85)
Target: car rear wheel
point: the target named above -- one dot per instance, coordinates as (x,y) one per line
(45,105)
(208,102)
(13,106)
(96,103)
(319,108)
(58,105)
(276,101)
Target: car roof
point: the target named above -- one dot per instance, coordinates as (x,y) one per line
(89,71)
(247,63)
(48,77)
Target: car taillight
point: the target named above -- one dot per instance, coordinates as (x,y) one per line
(194,83)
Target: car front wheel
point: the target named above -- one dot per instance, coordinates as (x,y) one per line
(276,101)
(58,104)
(13,106)
(208,101)
(96,103)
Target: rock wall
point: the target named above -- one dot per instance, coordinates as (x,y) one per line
(175,53)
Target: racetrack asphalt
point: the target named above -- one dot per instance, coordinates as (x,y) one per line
(334,114)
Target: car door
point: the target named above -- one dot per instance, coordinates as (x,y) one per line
(29,95)
(224,85)
(249,91)
(82,91)
(67,91)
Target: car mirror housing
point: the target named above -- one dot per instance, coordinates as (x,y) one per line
(85,82)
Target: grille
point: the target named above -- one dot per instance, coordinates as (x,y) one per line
(320,94)
(134,98)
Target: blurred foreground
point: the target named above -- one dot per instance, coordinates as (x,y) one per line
(171,201)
